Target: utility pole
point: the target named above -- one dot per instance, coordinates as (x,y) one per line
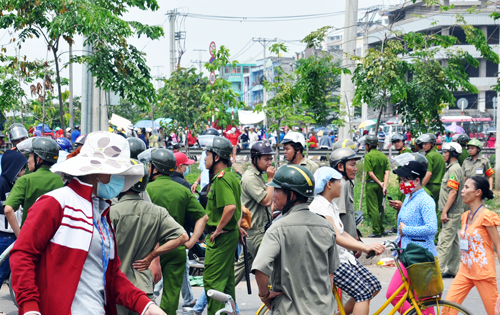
(497,143)
(348,48)
(70,87)
(171,18)
(264,42)
(200,60)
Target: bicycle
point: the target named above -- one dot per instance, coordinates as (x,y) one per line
(3,257)
(229,305)
(419,306)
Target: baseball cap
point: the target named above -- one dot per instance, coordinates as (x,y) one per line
(411,168)
(182,158)
(322,176)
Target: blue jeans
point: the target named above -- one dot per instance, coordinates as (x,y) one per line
(5,241)
(202,302)
(186,291)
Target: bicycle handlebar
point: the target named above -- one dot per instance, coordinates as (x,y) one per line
(219,296)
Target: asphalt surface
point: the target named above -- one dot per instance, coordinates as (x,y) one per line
(249,304)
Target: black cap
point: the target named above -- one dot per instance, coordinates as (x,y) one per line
(411,168)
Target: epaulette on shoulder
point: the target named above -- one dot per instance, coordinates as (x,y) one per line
(221,174)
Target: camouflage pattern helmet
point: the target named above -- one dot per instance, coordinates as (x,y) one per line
(344,143)
(476,143)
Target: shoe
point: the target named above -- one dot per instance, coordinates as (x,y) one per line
(374,235)
(385,233)
(447,276)
(191,304)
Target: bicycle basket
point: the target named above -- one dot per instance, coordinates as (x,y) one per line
(426,279)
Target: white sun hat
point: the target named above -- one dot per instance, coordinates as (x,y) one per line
(103,153)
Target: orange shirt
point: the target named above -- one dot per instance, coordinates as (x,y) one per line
(478,262)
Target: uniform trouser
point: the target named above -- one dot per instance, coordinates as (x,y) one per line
(219,267)
(173,265)
(374,199)
(435,189)
(253,243)
(449,246)
(461,286)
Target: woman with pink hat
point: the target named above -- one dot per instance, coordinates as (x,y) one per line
(65,259)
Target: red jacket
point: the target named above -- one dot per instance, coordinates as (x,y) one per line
(48,256)
(191,139)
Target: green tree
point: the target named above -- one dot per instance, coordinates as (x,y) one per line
(220,98)
(117,65)
(181,99)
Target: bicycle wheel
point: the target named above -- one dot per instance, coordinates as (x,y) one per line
(441,307)
(263,310)
(12,293)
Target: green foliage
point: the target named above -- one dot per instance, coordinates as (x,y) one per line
(180,99)
(117,66)
(316,38)
(218,98)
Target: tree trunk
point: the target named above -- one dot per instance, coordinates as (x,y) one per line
(380,113)
(58,77)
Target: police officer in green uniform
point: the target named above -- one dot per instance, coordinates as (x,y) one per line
(298,251)
(43,153)
(344,161)
(178,200)
(477,164)
(137,146)
(17,133)
(139,226)
(377,168)
(398,141)
(451,207)
(437,166)
(257,197)
(224,214)
(463,139)
(293,146)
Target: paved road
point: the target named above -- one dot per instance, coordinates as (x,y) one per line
(249,304)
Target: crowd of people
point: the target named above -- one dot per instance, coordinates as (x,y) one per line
(103,226)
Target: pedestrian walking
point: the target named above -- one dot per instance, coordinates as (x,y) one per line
(377,168)
(381,138)
(417,222)
(140,225)
(72,265)
(293,146)
(179,203)
(451,207)
(478,235)
(288,246)
(477,164)
(224,213)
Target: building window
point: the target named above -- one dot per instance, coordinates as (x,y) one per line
(246,70)
(459,33)
(471,98)
(238,69)
(472,72)
(493,35)
(491,69)
(489,99)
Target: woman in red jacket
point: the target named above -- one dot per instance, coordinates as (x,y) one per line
(65,259)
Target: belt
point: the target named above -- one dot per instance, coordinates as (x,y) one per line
(7,234)
(211,229)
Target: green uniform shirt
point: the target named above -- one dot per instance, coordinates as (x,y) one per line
(174,197)
(481,167)
(345,204)
(376,162)
(437,166)
(301,240)
(452,179)
(225,190)
(463,156)
(404,150)
(310,165)
(139,225)
(253,191)
(29,188)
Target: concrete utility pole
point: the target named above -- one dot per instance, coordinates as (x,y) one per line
(348,48)
(200,60)
(497,143)
(264,42)
(171,18)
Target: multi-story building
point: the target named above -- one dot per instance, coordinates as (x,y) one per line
(236,76)
(418,17)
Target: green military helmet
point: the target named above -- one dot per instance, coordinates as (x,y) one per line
(342,155)
(295,178)
(463,139)
(372,140)
(344,143)
(45,148)
(163,160)
(397,137)
(476,143)
(140,186)
(137,146)
(222,147)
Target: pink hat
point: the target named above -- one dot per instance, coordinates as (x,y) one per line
(182,158)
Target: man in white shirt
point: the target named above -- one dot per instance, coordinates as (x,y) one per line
(350,270)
